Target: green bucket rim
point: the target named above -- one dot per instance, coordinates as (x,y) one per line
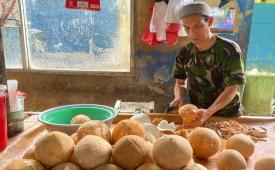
(51,110)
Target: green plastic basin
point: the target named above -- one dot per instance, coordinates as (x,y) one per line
(58,118)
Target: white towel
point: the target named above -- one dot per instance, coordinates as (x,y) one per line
(157,23)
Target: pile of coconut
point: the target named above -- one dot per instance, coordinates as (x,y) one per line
(135,144)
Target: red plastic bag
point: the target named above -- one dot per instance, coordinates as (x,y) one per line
(93,5)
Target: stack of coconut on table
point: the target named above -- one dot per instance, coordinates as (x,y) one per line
(138,144)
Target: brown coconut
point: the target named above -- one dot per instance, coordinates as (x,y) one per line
(194,166)
(96,128)
(24,164)
(205,142)
(241,143)
(80,119)
(188,113)
(53,149)
(230,159)
(66,166)
(266,163)
(149,166)
(128,127)
(74,137)
(29,154)
(108,167)
(130,151)
(92,151)
(172,152)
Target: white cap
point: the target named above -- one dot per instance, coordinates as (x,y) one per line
(193,8)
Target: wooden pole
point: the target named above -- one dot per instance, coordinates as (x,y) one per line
(3,79)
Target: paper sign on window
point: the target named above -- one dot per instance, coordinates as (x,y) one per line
(93,5)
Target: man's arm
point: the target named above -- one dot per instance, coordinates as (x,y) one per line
(224,98)
(179,92)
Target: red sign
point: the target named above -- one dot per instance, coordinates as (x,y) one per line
(93,5)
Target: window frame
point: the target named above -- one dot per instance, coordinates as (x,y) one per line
(25,53)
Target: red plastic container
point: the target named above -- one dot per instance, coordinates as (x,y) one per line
(3,123)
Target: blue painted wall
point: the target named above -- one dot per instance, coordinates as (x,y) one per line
(261,50)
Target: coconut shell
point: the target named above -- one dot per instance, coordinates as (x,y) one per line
(172,152)
(128,127)
(130,152)
(66,166)
(74,137)
(92,151)
(266,163)
(194,166)
(188,113)
(96,128)
(205,142)
(54,148)
(149,166)
(108,167)
(241,143)
(24,164)
(80,119)
(230,159)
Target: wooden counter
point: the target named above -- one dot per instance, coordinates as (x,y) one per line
(33,130)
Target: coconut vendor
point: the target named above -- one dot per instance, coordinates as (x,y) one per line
(211,65)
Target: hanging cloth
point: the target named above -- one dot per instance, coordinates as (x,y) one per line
(93,5)
(157,23)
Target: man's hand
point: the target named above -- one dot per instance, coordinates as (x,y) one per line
(176,103)
(203,116)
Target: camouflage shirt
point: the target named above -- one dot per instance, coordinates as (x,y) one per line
(209,72)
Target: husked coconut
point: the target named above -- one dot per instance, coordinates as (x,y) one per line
(74,137)
(128,127)
(194,166)
(149,166)
(53,149)
(241,143)
(108,167)
(29,154)
(130,152)
(205,142)
(80,119)
(266,163)
(92,151)
(96,128)
(172,152)
(24,164)
(66,166)
(188,113)
(230,159)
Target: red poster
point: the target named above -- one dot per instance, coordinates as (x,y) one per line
(93,5)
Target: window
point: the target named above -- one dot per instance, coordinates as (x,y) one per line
(63,39)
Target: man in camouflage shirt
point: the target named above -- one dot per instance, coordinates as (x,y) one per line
(212,66)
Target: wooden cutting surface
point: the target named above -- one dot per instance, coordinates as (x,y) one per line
(33,130)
